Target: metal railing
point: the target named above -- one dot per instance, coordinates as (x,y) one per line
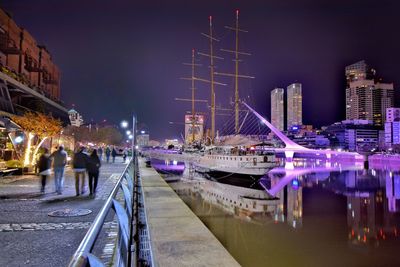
(126,251)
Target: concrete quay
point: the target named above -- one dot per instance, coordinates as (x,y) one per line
(177,236)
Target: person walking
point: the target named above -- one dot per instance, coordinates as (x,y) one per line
(100,153)
(124,156)
(44,166)
(59,161)
(108,153)
(93,168)
(114,154)
(79,165)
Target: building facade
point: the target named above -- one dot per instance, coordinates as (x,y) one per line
(359,71)
(75,118)
(143,140)
(294,105)
(392,127)
(29,80)
(357,135)
(194,128)
(367,99)
(277,108)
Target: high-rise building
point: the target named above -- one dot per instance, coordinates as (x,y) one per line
(367,99)
(294,105)
(277,112)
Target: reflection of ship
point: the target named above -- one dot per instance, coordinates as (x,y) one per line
(241,201)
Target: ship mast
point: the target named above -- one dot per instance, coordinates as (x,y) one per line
(212,82)
(236,52)
(193,88)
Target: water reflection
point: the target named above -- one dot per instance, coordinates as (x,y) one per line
(316,213)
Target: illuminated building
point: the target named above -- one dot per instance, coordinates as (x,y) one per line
(29,80)
(143,139)
(392,127)
(294,105)
(277,112)
(357,135)
(366,98)
(75,118)
(194,129)
(358,71)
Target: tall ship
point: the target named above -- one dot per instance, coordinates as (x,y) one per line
(218,158)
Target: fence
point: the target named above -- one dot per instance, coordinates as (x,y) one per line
(127,215)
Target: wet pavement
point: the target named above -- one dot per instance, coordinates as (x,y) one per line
(30,237)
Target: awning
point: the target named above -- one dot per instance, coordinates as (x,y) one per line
(9,125)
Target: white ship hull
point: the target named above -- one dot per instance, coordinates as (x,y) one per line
(254,165)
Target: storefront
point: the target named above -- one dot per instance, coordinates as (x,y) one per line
(11,145)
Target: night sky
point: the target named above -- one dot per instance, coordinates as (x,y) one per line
(122,57)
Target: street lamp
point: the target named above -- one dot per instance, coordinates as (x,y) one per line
(130,136)
(128,132)
(124,124)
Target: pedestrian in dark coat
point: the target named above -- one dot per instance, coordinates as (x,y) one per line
(93,168)
(44,165)
(79,165)
(113,154)
(100,153)
(124,155)
(108,153)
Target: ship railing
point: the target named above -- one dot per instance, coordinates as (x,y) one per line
(126,252)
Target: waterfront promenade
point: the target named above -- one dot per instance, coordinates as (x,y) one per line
(30,237)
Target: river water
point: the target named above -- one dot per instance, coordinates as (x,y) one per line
(315,214)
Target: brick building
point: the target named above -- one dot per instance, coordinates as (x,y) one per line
(29,79)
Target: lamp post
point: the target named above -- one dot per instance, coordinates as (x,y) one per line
(131,133)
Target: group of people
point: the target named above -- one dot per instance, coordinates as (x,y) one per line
(110,153)
(81,164)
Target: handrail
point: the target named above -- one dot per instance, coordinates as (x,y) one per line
(81,255)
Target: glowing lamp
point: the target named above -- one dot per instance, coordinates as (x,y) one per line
(18,139)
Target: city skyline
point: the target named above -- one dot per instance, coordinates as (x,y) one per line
(287,48)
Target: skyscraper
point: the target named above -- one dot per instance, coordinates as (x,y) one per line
(367,99)
(277,112)
(294,105)
(359,71)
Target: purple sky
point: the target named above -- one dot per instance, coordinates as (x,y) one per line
(119,57)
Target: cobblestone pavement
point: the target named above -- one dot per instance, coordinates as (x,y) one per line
(29,237)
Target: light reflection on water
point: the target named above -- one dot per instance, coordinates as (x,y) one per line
(332,215)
